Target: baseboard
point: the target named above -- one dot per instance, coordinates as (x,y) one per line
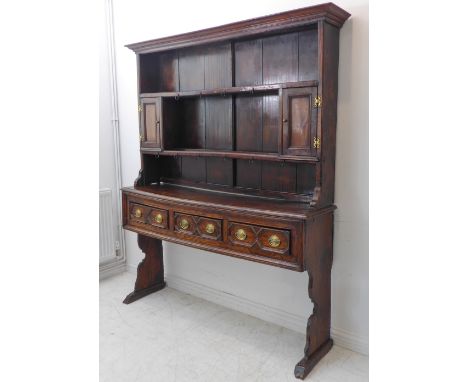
(350,341)
(112,269)
(267,313)
(131,268)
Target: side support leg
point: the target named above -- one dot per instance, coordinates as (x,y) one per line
(150,273)
(318,265)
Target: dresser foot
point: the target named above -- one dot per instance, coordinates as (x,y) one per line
(150,273)
(306,364)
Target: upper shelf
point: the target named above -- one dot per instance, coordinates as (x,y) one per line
(328,12)
(233,90)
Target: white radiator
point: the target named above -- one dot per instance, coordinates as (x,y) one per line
(106,226)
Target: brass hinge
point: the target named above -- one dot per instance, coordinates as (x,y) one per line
(140,108)
(318,101)
(316,143)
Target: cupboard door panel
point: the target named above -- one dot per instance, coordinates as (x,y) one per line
(299,122)
(150,122)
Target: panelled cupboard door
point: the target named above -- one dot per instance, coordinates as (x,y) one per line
(300,122)
(150,122)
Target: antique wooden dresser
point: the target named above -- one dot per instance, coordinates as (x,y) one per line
(237,142)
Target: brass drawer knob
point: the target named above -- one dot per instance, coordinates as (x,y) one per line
(158,218)
(184,224)
(240,234)
(274,241)
(210,228)
(138,213)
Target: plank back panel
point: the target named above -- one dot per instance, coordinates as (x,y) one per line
(218,66)
(192,69)
(248,174)
(308,55)
(249,123)
(248,63)
(305,179)
(194,169)
(218,123)
(280,58)
(278,176)
(219,171)
(192,122)
(270,133)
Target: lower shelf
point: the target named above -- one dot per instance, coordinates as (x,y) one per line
(231,154)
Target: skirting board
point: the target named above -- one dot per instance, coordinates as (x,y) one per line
(112,269)
(279,317)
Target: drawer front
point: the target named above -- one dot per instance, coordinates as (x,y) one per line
(198,226)
(137,213)
(262,240)
(273,240)
(185,224)
(142,214)
(210,228)
(158,218)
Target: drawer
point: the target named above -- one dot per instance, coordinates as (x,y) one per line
(198,226)
(158,218)
(139,213)
(262,240)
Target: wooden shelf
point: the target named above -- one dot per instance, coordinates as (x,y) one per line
(232,154)
(234,90)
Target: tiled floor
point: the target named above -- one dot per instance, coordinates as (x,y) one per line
(170,336)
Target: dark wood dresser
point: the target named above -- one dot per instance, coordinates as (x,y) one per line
(237,132)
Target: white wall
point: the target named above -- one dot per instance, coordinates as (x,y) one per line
(107,169)
(276,290)
(106,139)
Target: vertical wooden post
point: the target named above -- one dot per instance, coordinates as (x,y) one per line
(150,273)
(318,261)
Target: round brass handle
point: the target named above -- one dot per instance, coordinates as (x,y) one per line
(210,228)
(158,218)
(138,213)
(274,241)
(240,234)
(184,224)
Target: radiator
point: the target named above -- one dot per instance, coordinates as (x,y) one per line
(106,226)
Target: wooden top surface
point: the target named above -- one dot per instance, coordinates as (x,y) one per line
(260,25)
(227,201)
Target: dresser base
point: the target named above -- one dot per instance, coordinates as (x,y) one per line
(306,364)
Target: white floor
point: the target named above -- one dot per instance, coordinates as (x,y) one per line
(171,336)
